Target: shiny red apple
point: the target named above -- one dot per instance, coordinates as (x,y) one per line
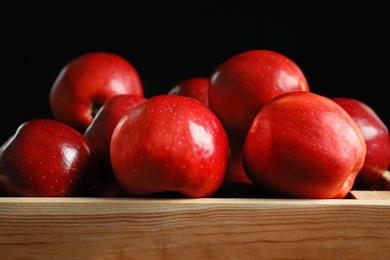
(86,82)
(197,87)
(170,143)
(46,158)
(243,84)
(304,145)
(100,130)
(377,138)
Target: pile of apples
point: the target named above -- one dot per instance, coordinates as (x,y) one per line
(252,127)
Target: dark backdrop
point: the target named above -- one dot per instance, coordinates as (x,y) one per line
(341,46)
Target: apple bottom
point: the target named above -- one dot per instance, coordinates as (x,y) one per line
(190,177)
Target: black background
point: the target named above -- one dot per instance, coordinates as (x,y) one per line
(341,46)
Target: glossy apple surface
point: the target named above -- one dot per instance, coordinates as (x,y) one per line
(241,85)
(46,158)
(377,139)
(100,130)
(304,145)
(170,143)
(86,82)
(197,87)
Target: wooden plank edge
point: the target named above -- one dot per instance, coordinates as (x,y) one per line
(85,206)
(369,195)
(380,191)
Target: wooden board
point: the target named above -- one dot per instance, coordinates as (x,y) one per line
(369,195)
(209,228)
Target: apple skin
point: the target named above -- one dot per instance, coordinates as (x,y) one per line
(170,143)
(304,145)
(197,87)
(86,82)
(100,130)
(376,134)
(46,158)
(240,86)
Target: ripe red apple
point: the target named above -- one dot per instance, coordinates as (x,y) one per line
(46,158)
(170,143)
(376,134)
(100,130)
(302,144)
(197,87)
(86,82)
(241,85)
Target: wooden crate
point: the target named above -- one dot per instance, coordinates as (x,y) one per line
(357,227)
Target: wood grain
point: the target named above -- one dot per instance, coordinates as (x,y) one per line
(127,228)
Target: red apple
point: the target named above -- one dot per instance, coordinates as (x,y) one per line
(236,183)
(197,87)
(376,134)
(170,143)
(46,158)
(240,86)
(302,144)
(86,82)
(235,175)
(100,130)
